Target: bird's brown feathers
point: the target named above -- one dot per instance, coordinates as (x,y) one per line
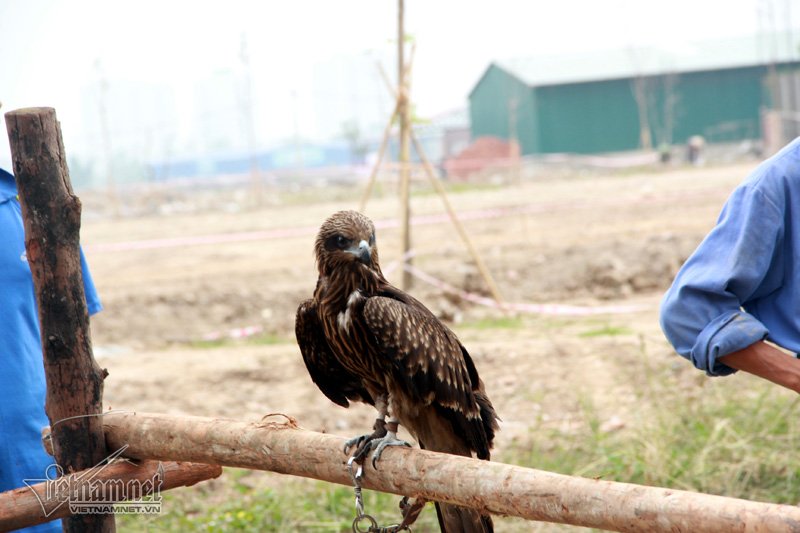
(361,337)
(432,369)
(340,386)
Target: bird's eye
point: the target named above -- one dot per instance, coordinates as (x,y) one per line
(372,240)
(337,242)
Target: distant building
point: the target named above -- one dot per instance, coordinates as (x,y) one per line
(620,100)
(441,137)
(295,157)
(444,135)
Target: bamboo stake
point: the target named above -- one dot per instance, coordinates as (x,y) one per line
(437,184)
(387,82)
(407,133)
(384,142)
(46,501)
(403,111)
(491,487)
(385,76)
(52,216)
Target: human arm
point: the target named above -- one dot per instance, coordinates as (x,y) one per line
(739,261)
(768,362)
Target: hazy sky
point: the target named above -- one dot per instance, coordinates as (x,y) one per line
(50,49)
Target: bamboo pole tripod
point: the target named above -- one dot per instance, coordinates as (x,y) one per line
(407,138)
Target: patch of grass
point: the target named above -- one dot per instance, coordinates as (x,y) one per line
(268,339)
(607,331)
(722,442)
(500,322)
(297,505)
(710,438)
(264,339)
(455,188)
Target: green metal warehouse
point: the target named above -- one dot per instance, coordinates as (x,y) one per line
(610,101)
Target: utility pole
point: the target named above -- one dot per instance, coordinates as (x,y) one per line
(773,120)
(105,135)
(791,74)
(298,146)
(247,109)
(641,94)
(513,139)
(403,112)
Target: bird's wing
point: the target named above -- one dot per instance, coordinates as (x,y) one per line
(432,365)
(331,377)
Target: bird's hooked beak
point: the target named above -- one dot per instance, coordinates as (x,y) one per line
(362,252)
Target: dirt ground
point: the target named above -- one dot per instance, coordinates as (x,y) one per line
(168,282)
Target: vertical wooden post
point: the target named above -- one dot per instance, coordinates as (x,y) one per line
(248,111)
(52,215)
(374,174)
(402,111)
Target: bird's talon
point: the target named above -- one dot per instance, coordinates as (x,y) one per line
(355,441)
(381,445)
(363,443)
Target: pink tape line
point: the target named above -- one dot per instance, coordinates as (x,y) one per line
(419,220)
(236,333)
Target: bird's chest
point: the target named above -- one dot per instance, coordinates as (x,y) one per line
(349,337)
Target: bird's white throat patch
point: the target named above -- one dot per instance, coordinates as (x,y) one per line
(345,318)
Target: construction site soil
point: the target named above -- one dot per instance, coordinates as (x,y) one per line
(598,249)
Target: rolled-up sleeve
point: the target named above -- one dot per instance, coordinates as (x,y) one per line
(740,260)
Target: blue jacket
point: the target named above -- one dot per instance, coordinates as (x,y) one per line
(22,382)
(742,284)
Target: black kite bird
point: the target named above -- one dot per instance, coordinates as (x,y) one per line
(364,340)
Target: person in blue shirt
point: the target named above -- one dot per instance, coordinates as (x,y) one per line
(22,381)
(738,294)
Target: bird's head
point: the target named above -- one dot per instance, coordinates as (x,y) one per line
(346,240)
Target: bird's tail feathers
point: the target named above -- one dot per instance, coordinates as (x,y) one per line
(454,519)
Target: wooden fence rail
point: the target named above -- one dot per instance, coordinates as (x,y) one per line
(278,445)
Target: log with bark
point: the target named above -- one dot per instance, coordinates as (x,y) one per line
(281,446)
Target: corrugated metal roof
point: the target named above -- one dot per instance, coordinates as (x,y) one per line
(652,60)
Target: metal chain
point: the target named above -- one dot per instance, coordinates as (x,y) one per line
(362,518)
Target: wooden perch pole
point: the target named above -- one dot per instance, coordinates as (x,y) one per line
(52,215)
(384,143)
(492,487)
(46,501)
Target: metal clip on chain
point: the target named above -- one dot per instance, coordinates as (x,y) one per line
(362,518)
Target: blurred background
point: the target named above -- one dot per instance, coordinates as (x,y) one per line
(157,93)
